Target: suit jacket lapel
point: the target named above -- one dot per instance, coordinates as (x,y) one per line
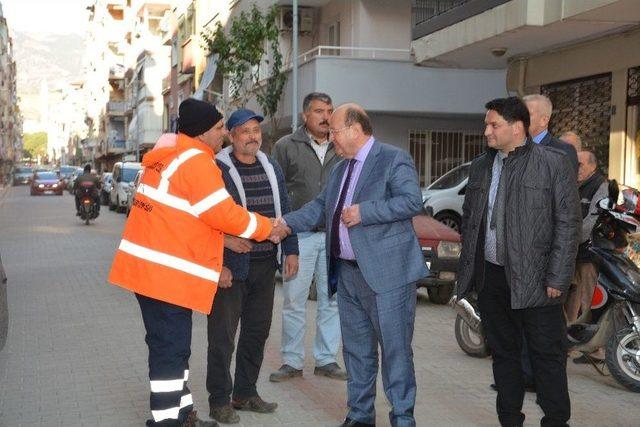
(547,139)
(368,166)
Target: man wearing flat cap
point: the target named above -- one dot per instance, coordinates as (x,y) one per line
(171,250)
(256,182)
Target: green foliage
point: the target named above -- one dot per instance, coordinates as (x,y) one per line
(252,37)
(35,144)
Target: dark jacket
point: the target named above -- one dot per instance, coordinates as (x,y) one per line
(542,224)
(304,175)
(552,141)
(239,263)
(87,178)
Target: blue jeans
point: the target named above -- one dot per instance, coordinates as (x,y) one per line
(312,259)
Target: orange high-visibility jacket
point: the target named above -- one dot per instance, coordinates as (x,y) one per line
(172,244)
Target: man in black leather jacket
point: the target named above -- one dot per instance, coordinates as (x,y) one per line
(90,181)
(520,228)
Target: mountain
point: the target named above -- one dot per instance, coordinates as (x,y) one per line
(54,58)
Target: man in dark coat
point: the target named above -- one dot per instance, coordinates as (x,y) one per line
(520,228)
(540,110)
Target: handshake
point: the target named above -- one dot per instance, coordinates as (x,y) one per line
(280,230)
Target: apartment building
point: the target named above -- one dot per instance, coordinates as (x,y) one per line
(583,54)
(360,51)
(10,118)
(104,83)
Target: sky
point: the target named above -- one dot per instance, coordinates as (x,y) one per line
(46,16)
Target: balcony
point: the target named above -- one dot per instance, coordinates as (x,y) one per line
(429,16)
(393,83)
(188,57)
(115,108)
(166,84)
(487,33)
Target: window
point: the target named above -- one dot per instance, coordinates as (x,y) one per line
(436,152)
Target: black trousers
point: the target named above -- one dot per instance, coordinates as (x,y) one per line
(169,340)
(249,302)
(545,331)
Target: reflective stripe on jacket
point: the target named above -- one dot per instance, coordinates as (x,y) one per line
(172,244)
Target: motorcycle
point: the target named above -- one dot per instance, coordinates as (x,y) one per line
(88,208)
(613,322)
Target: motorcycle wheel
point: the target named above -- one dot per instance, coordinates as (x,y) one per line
(623,358)
(470,341)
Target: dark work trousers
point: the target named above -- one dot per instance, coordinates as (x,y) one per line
(169,340)
(546,335)
(249,302)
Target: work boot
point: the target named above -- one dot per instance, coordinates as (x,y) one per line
(255,404)
(225,414)
(332,370)
(284,373)
(193,421)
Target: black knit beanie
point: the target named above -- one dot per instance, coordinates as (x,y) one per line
(196,117)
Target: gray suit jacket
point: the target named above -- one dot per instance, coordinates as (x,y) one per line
(385,244)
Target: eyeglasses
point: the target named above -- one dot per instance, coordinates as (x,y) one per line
(334,131)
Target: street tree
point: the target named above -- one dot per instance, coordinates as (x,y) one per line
(250,46)
(35,144)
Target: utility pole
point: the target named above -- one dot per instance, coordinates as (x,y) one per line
(294,74)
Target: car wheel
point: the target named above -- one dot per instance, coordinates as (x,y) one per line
(440,294)
(450,219)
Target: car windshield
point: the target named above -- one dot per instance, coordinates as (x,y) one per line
(128,174)
(24,170)
(66,170)
(451,178)
(46,175)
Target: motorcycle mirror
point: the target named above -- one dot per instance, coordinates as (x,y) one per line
(614,191)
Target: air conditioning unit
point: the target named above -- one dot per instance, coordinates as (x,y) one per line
(305,19)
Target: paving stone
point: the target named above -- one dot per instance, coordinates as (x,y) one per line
(75,354)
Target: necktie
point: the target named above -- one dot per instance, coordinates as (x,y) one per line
(335,223)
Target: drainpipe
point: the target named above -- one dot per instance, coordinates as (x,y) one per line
(294,74)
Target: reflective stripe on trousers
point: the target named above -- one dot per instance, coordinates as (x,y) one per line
(168,338)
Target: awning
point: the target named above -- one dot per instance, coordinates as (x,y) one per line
(207,76)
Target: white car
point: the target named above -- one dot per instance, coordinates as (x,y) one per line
(443,198)
(123,174)
(133,187)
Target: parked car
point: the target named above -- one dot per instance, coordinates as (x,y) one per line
(22,175)
(72,179)
(131,192)
(65,173)
(444,197)
(105,190)
(123,174)
(46,183)
(441,248)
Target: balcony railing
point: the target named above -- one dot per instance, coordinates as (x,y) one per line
(115,107)
(429,16)
(375,53)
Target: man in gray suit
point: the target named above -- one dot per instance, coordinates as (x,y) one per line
(374,260)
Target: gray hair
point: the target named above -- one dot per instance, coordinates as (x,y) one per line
(572,134)
(313,96)
(545,103)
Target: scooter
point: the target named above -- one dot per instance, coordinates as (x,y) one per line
(88,208)
(613,322)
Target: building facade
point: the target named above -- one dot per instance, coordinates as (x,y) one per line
(10,118)
(584,55)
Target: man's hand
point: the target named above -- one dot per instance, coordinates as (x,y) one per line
(290,266)
(351,215)
(280,230)
(553,293)
(237,244)
(226,278)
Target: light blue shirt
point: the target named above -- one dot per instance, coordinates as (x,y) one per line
(346,251)
(539,137)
